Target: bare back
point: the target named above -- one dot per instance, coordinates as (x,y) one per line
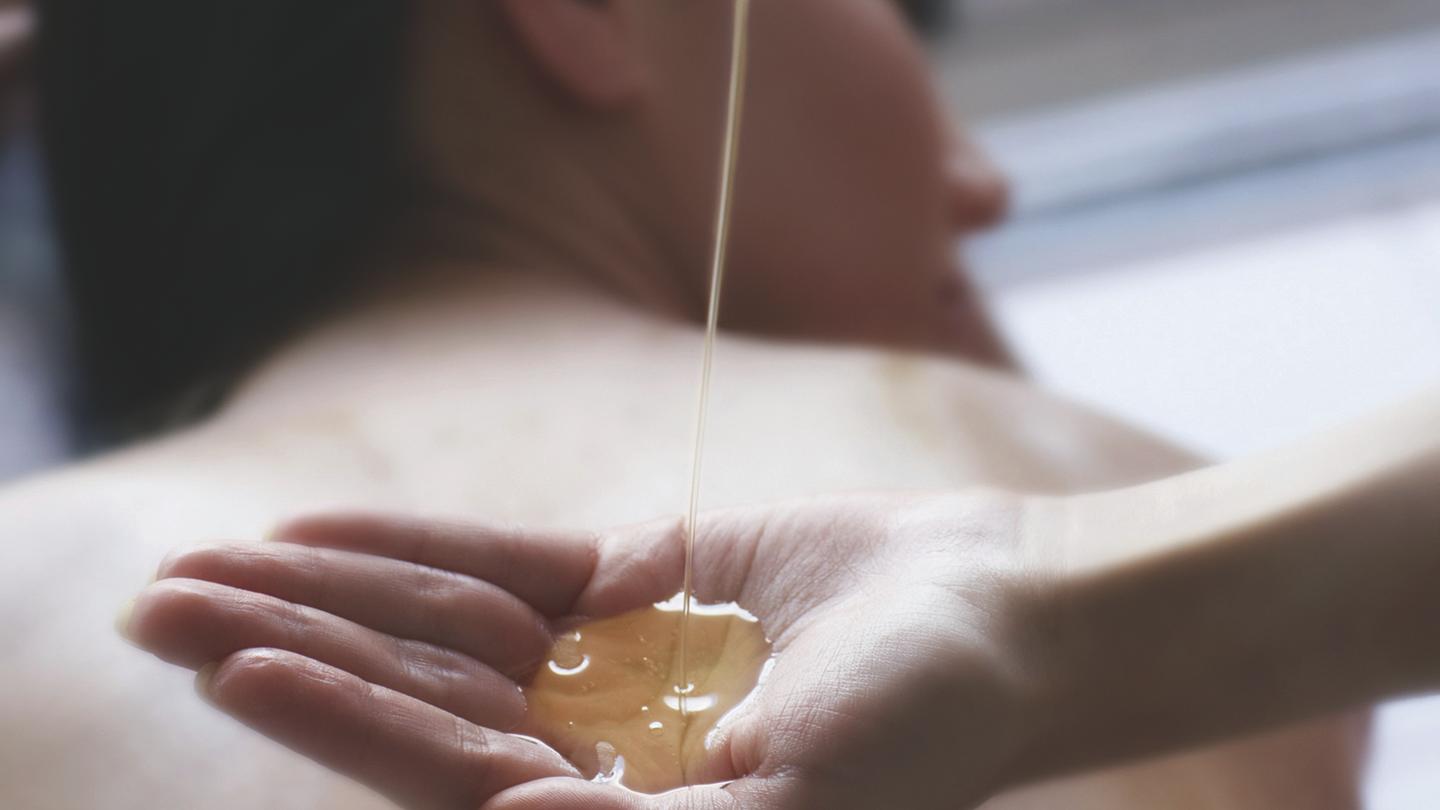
(579,419)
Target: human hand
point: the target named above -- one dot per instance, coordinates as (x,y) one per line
(390,650)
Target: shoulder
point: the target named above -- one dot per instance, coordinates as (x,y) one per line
(1016,433)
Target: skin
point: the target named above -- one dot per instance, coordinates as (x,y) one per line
(607,168)
(899,622)
(1047,622)
(536,363)
(967,643)
(1326,553)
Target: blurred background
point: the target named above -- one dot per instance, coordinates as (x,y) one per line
(1228,212)
(1227,229)
(1227,223)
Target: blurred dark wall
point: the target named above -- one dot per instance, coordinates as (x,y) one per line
(33,357)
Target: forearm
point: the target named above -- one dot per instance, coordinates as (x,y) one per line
(1241,597)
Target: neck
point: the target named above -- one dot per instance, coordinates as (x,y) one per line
(398,334)
(608,257)
(550,189)
(448,309)
(581,241)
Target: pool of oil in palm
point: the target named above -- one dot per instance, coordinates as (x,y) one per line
(635,699)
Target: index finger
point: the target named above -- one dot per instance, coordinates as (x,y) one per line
(558,573)
(546,569)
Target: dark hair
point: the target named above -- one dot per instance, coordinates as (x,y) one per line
(216,166)
(930,16)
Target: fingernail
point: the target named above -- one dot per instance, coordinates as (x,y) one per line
(203,679)
(122,620)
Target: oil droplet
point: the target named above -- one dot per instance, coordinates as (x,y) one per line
(693,704)
(566,653)
(558,666)
(606,753)
(633,707)
(612,765)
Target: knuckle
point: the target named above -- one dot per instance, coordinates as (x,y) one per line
(262,667)
(295,620)
(176,601)
(260,680)
(425,670)
(474,750)
(450,605)
(194,562)
(268,680)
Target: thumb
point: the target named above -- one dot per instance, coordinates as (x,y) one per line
(643,564)
(740,554)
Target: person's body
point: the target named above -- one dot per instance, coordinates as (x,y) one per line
(931,650)
(586,426)
(544,372)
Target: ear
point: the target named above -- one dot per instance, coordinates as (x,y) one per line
(590,48)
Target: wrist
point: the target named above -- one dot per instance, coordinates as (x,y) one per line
(1077,660)
(1040,646)
(996,572)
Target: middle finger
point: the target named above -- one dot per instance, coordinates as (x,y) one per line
(193,623)
(401,599)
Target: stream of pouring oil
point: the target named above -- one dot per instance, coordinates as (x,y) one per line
(636,699)
(738,62)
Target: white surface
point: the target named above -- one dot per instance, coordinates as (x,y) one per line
(1241,346)
(1225,122)
(1407,750)
(31,430)
(1014,56)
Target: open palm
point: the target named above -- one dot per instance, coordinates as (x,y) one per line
(390,649)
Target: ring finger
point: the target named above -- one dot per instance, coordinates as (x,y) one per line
(193,623)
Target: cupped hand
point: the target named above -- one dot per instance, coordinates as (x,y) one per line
(390,649)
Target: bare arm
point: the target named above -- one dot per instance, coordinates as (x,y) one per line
(1239,597)
(930,651)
